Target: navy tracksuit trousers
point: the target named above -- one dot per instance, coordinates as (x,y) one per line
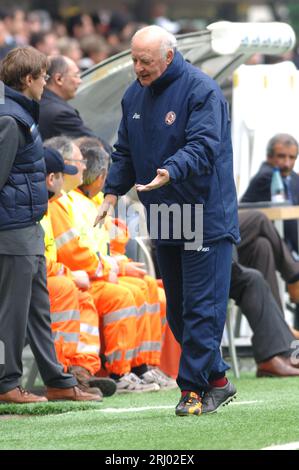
(197,286)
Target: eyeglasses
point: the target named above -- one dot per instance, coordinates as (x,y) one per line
(46,77)
(84,161)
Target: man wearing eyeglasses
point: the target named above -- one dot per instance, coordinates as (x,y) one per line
(57,116)
(24,304)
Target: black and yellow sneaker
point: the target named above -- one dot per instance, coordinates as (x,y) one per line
(189,404)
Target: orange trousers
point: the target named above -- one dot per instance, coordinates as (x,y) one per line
(74,322)
(117,312)
(141,349)
(150,340)
(171,350)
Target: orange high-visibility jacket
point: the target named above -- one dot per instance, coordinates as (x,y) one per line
(82,212)
(74,319)
(115,304)
(146,296)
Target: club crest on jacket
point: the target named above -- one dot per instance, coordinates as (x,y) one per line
(170,118)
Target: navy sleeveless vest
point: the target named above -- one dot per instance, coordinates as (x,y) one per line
(24,197)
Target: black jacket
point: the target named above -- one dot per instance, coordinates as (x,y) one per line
(259,189)
(57,117)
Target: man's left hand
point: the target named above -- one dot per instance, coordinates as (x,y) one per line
(161,179)
(134,269)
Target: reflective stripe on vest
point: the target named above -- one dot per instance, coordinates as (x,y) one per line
(153,308)
(66,237)
(115,356)
(119,315)
(89,329)
(68,337)
(131,353)
(67,315)
(150,346)
(87,348)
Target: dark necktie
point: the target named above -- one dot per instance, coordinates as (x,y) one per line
(287,188)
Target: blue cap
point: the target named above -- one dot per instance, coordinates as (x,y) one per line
(55,163)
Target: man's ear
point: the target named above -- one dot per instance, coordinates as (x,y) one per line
(101,179)
(49,180)
(57,78)
(169,56)
(28,80)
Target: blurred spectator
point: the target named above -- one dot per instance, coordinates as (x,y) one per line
(79,26)
(121,28)
(100,22)
(6,42)
(95,49)
(59,27)
(45,42)
(70,47)
(159,17)
(16,25)
(39,20)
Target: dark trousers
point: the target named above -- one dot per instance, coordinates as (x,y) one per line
(196,285)
(271,334)
(262,248)
(25,312)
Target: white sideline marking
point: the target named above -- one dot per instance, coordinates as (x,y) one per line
(161,407)
(289,446)
(141,408)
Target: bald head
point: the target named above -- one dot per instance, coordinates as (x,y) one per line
(153,49)
(155,35)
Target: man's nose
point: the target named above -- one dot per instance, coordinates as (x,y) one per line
(138,67)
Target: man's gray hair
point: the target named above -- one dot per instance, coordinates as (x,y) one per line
(168,40)
(63,144)
(284,139)
(97,158)
(57,64)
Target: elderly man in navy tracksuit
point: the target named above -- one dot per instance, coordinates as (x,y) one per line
(174,144)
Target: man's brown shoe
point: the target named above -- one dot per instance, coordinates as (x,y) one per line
(71,393)
(277,366)
(293,290)
(19,395)
(87,381)
(91,390)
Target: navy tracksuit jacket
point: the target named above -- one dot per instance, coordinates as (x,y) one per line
(181,123)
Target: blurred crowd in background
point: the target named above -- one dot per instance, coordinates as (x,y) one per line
(90,37)
(87,38)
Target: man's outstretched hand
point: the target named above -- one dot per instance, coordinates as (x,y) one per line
(161,179)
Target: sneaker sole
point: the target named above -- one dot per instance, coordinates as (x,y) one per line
(261,374)
(98,400)
(226,402)
(167,387)
(186,415)
(125,390)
